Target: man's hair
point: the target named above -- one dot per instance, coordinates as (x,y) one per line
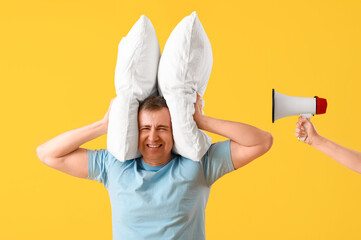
(153,103)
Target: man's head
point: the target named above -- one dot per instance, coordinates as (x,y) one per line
(155,131)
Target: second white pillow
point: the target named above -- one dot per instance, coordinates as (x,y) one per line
(184,69)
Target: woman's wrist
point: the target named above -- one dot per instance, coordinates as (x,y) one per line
(317,140)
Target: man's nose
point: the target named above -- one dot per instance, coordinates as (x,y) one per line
(153,135)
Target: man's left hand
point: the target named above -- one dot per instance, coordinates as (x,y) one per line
(197,109)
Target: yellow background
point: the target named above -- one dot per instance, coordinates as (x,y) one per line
(57,62)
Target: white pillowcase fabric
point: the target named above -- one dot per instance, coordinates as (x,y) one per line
(135,80)
(184,69)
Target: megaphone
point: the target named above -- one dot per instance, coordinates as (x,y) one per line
(284,106)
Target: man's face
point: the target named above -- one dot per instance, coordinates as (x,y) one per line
(155,135)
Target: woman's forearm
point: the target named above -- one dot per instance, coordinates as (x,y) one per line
(347,157)
(71,140)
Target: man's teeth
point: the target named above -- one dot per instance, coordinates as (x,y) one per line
(154,146)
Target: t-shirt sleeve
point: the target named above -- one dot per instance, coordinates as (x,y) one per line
(98,161)
(217,161)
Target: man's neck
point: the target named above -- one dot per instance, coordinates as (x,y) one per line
(157,162)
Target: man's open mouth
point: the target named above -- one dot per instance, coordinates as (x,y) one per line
(154,146)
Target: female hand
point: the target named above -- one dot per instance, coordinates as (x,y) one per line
(309,132)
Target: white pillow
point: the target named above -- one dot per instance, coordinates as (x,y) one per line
(135,80)
(184,69)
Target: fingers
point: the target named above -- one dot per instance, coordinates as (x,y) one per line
(304,124)
(304,120)
(199,99)
(300,134)
(111,103)
(299,125)
(300,129)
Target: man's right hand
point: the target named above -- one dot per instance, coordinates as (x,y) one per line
(106,116)
(64,153)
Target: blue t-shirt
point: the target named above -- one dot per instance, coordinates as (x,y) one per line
(164,202)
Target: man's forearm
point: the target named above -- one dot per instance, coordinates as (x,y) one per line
(347,157)
(241,133)
(69,141)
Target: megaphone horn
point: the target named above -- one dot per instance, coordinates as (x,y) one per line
(284,106)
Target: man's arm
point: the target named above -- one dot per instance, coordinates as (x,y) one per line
(347,157)
(64,153)
(247,142)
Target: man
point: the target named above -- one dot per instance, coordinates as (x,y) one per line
(347,157)
(160,195)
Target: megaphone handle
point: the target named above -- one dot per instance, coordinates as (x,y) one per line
(305,115)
